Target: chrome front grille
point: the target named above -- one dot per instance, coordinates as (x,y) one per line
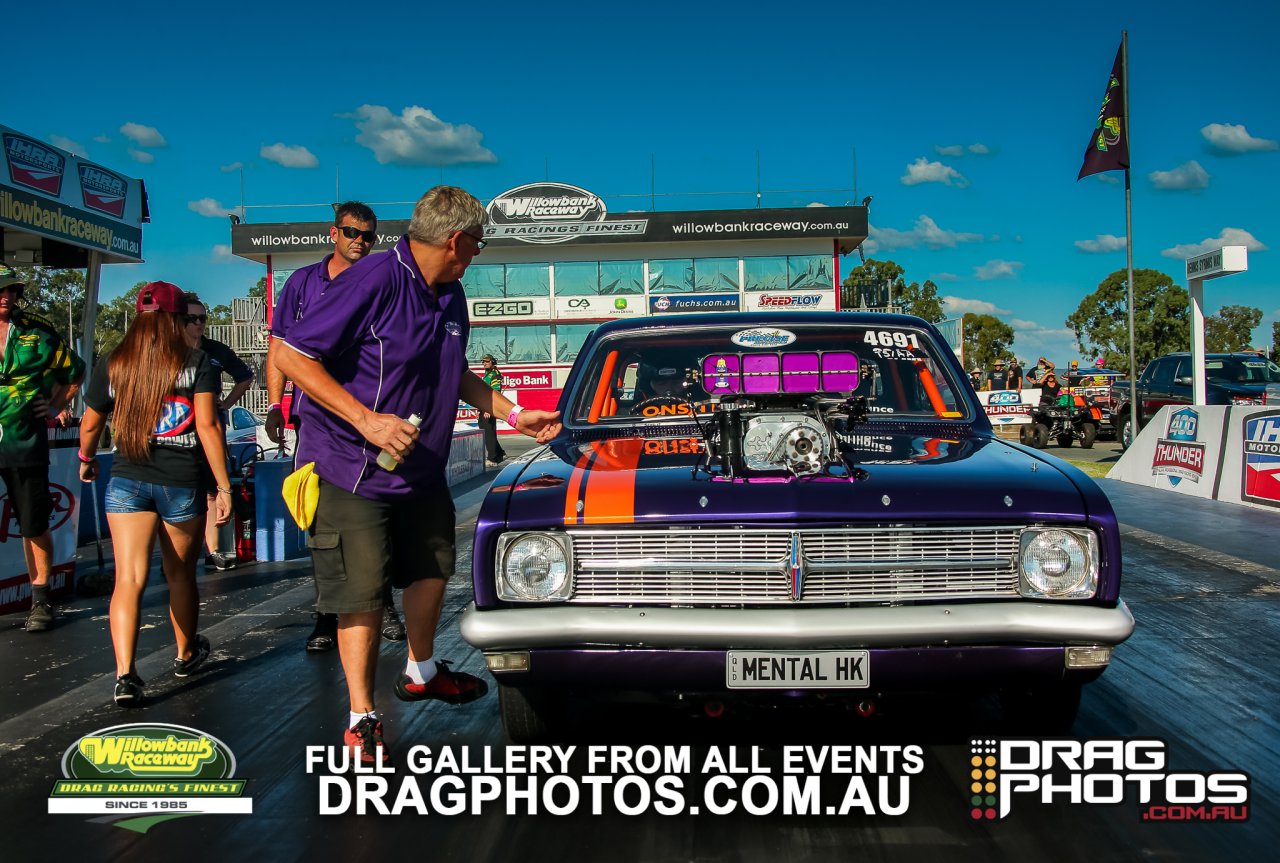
(817,565)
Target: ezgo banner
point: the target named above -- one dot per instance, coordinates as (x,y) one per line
(146,773)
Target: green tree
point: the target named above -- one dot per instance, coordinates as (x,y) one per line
(1231,329)
(1161,319)
(986,339)
(57,295)
(913,299)
(113,319)
(1275,342)
(259,289)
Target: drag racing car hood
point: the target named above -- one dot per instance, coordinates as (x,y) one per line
(900,476)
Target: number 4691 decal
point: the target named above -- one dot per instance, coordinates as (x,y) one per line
(887,339)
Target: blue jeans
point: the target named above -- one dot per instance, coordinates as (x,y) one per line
(172,503)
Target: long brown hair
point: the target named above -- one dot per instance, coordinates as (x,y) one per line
(142,371)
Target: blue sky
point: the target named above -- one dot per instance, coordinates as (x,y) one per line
(969,126)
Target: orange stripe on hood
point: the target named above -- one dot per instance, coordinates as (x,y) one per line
(611,482)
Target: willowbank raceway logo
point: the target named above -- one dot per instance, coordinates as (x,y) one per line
(135,776)
(1100,772)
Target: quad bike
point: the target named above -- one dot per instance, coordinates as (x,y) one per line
(1073,418)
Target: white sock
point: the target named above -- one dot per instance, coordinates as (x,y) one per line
(420,672)
(354,718)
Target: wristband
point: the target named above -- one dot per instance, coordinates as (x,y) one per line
(511,417)
(274,406)
(84,460)
(224,490)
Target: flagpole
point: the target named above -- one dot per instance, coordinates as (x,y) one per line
(1128,234)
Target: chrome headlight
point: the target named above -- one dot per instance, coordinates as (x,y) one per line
(1056,563)
(534,567)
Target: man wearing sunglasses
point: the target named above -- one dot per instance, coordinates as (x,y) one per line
(389,341)
(354,233)
(224,361)
(38,375)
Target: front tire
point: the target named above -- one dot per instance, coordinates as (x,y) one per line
(530,715)
(1042,436)
(1125,435)
(1090,431)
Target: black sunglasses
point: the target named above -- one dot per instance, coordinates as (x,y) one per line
(351,233)
(197,319)
(481,242)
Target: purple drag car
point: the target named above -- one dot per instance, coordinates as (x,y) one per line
(782,505)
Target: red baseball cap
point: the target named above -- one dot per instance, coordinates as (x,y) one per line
(161,297)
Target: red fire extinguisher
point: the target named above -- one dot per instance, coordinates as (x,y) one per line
(246,546)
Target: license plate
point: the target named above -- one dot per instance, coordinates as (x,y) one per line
(798,669)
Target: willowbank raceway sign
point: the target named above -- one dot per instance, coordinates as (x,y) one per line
(50,192)
(553,213)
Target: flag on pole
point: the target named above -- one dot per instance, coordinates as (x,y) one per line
(1108,148)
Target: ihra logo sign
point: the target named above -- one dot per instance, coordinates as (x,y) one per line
(34,165)
(1100,772)
(146,773)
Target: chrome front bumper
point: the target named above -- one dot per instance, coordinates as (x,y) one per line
(1019,623)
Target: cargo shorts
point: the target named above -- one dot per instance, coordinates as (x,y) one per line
(358,545)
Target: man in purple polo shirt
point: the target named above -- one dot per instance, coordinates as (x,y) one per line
(386,343)
(354,232)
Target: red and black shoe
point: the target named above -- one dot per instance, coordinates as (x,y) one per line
(451,687)
(366,741)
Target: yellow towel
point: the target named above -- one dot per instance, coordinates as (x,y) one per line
(301,493)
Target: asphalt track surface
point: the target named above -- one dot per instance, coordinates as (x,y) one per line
(1200,674)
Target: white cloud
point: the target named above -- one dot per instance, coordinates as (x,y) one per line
(102,139)
(957,306)
(417,137)
(143,136)
(1108,178)
(290,156)
(924,171)
(1102,244)
(234,166)
(1188,176)
(222,252)
(210,207)
(997,269)
(816,204)
(925,232)
(69,145)
(946,277)
(957,150)
(141,156)
(1228,237)
(1233,140)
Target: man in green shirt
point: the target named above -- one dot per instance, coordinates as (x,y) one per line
(38,375)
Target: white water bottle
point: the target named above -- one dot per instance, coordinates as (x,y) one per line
(386,461)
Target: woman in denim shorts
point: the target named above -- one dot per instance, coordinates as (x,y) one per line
(161,390)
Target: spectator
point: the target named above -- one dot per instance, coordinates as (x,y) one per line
(353,233)
(224,361)
(38,381)
(393,330)
(1050,389)
(1013,380)
(494,454)
(997,377)
(162,394)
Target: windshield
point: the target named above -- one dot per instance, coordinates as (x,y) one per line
(1243,371)
(666,375)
